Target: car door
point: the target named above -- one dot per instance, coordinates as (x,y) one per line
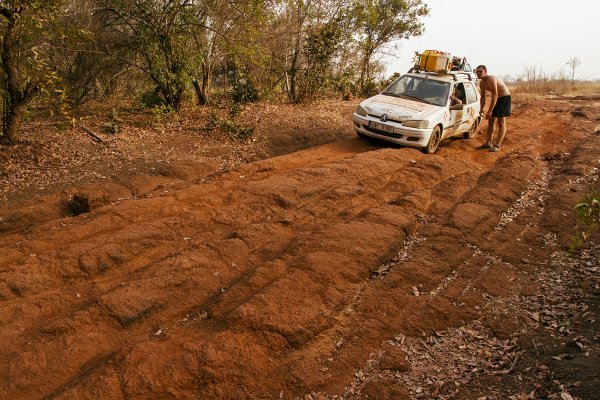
(457,117)
(471,106)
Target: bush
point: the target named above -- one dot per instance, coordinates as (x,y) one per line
(244,92)
(230,124)
(243,89)
(160,110)
(237,131)
(588,216)
(370,89)
(151,99)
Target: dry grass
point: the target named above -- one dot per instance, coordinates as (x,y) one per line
(537,82)
(557,87)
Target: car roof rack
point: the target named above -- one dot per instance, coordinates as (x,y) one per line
(467,74)
(441,72)
(418,70)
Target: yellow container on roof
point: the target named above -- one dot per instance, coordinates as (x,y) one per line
(434,60)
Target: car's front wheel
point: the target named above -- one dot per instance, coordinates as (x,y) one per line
(434,140)
(471,133)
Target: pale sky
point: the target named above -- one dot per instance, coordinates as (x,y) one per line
(509,35)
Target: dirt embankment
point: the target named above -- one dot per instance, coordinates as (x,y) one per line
(339,271)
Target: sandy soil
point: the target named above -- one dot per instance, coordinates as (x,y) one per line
(353,269)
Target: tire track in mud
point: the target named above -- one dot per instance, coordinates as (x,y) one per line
(111,228)
(325,195)
(530,208)
(532,189)
(373,313)
(136,273)
(264,272)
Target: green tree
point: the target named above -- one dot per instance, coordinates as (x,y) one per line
(321,44)
(205,41)
(231,36)
(380,22)
(300,10)
(24,69)
(88,58)
(157,34)
(294,23)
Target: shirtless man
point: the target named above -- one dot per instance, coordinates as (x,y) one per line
(499,107)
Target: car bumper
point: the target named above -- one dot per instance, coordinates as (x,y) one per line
(412,137)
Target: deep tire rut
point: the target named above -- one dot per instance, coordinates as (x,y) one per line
(281,277)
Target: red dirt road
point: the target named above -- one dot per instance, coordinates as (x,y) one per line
(274,281)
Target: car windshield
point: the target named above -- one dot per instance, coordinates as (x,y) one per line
(420,89)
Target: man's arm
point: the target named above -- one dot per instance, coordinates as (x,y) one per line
(482,98)
(494,91)
(455,100)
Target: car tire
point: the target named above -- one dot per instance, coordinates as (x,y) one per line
(434,141)
(364,137)
(472,130)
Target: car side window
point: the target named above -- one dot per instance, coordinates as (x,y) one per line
(460,92)
(470,92)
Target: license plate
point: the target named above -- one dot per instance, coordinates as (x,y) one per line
(381,127)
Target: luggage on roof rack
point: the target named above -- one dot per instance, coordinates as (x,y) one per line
(434,60)
(442,62)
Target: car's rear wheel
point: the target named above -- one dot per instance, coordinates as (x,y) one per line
(434,140)
(471,133)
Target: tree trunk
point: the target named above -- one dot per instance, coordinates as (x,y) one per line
(198,91)
(293,71)
(177,101)
(11,125)
(201,87)
(365,70)
(15,98)
(172,96)
(206,78)
(292,76)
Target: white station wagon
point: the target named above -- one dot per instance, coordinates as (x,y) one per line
(416,111)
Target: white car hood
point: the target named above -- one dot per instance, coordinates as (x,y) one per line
(398,108)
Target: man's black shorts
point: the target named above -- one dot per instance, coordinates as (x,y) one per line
(502,107)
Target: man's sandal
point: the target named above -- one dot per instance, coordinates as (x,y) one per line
(484,146)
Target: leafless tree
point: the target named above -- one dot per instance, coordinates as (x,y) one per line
(573,63)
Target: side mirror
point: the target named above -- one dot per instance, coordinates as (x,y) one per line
(457,107)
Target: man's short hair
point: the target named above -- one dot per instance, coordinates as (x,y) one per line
(482,67)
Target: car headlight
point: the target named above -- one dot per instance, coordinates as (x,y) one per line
(415,123)
(360,111)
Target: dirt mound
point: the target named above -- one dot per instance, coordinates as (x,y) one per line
(291,276)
